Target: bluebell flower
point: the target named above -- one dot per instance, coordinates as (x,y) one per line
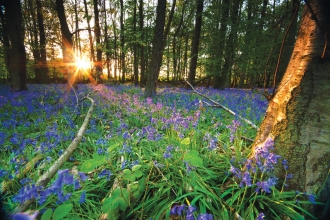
(100,151)
(205,217)
(82,176)
(285,164)
(260,216)
(82,197)
(246,179)
(311,198)
(106,173)
(177,209)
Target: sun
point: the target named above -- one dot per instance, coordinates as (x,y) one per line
(82,64)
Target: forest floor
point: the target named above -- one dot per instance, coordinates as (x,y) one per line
(167,157)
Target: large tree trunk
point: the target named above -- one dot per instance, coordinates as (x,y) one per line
(298,118)
(17,55)
(195,44)
(157,47)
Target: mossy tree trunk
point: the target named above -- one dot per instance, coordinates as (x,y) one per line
(298,116)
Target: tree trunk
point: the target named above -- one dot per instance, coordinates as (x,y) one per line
(17,55)
(135,50)
(5,40)
(195,44)
(230,47)
(90,37)
(157,47)
(42,37)
(97,33)
(122,42)
(220,46)
(142,57)
(67,45)
(297,118)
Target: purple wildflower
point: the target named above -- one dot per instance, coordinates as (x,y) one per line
(205,217)
(260,216)
(177,209)
(82,197)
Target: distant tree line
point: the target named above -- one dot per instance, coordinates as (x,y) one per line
(221,43)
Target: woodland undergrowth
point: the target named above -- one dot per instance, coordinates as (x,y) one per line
(169,157)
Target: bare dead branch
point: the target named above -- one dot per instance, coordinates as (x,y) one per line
(44,179)
(218,105)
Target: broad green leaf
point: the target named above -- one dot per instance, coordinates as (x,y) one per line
(62,211)
(88,166)
(136,167)
(192,157)
(47,214)
(138,173)
(109,204)
(127,172)
(185,141)
(122,204)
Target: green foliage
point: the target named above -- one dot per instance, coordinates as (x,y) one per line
(59,213)
(143,157)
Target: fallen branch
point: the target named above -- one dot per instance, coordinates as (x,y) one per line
(44,179)
(218,105)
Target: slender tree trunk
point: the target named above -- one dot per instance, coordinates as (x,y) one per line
(195,44)
(219,79)
(90,37)
(17,55)
(106,39)
(67,45)
(122,42)
(97,33)
(142,57)
(6,42)
(157,47)
(297,118)
(42,37)
(230,47)
(135,49)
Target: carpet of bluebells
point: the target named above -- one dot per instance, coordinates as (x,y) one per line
(167,157)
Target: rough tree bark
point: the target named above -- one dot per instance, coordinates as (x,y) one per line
(298,118)
(157,47)
(17,57)
(195,44)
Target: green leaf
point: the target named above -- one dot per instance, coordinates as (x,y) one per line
(138,173)
(47,214)
(127,172)
(185,141)
(122,204)
(113,147)
(88,166)
(62,211)
(192,157)
(136,167)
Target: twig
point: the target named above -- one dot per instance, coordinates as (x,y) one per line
(44,179)
(218,105)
